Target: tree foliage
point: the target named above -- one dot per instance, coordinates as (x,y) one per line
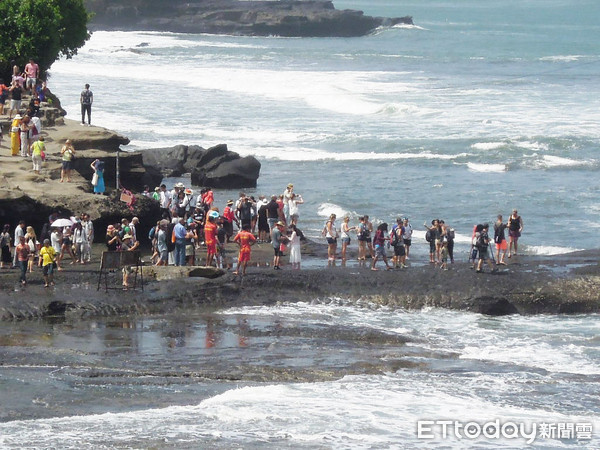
(43,30)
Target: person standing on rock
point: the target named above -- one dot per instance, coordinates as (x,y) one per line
(210,236)
(515,227)
(5,247)
(86,99)
(32,72)
(67,152)
(277,238)
(500,240)
(331,235)
(98,178)
(245,240)
(165,202)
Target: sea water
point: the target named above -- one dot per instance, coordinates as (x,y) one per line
(479,108)
(111,383)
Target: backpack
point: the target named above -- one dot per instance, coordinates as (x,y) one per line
(481,240)
(152,233)
(450,234)
(324,232)
(170,243)
(429,235)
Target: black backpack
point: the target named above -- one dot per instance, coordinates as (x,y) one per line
(429,235)
(170,243)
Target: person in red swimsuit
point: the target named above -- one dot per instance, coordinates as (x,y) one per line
(245,240)
(210,237)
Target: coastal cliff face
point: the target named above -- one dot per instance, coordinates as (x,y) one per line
(293,18)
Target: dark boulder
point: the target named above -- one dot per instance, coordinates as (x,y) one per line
(216,167)
(232,174)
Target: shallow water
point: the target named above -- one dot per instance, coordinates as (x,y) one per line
(296,375)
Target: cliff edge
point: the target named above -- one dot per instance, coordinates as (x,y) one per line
(287,18)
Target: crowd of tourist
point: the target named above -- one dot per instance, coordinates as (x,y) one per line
(60,240)
(192,226)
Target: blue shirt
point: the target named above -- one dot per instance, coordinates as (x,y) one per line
(180,231)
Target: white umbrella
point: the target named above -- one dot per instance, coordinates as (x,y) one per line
(58,223)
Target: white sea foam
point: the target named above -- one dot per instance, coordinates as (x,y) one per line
(548,250)
(326,209)
(485,168)
(488,145)
(562,58)
(558,161)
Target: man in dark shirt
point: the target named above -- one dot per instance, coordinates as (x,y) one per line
(273,212)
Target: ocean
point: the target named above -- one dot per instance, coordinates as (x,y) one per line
(479,108)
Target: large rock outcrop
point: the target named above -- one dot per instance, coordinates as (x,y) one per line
(216,167)
(291,18)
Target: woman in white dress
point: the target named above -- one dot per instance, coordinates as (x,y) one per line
(295,256)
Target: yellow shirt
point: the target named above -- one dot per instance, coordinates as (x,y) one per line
(47,254)
(37,148)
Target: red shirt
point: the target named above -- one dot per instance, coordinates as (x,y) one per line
(228,214)
(210,233)
(244,238)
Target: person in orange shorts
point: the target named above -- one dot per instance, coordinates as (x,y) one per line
(500,240)
(210,237)
(245,240)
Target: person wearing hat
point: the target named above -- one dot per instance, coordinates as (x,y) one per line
(127,245)
(210,236)
(47,260)
(112,239)
(15,135)
(229,217)
(156,194)
(174,197)
(186,202)
(277,238)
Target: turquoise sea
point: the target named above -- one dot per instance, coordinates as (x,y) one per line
(480,107)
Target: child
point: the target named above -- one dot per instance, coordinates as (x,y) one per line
(444,255)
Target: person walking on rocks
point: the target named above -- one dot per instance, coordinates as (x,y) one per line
(19,233)
(67,152)
(86,99)
(47,261)
(210,236)
(22,254)
(482,241)
(379,241)
(38,148)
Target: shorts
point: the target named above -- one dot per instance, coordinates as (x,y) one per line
(211,249)
(346,240)
(331,241)
(15,104)
(514,234)
(189,250)
(399,250)
(502,245)
(294,217)
(277,252)
(380,251)
(407,242)
(48,269)
(66,165)
(483,253)
(244,256)
(30,82)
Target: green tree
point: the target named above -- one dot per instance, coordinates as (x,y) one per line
(43,30)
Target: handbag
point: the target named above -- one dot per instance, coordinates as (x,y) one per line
(43,155)
(95,179)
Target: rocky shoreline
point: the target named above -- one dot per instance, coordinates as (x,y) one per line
(563,284)
(289,18)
